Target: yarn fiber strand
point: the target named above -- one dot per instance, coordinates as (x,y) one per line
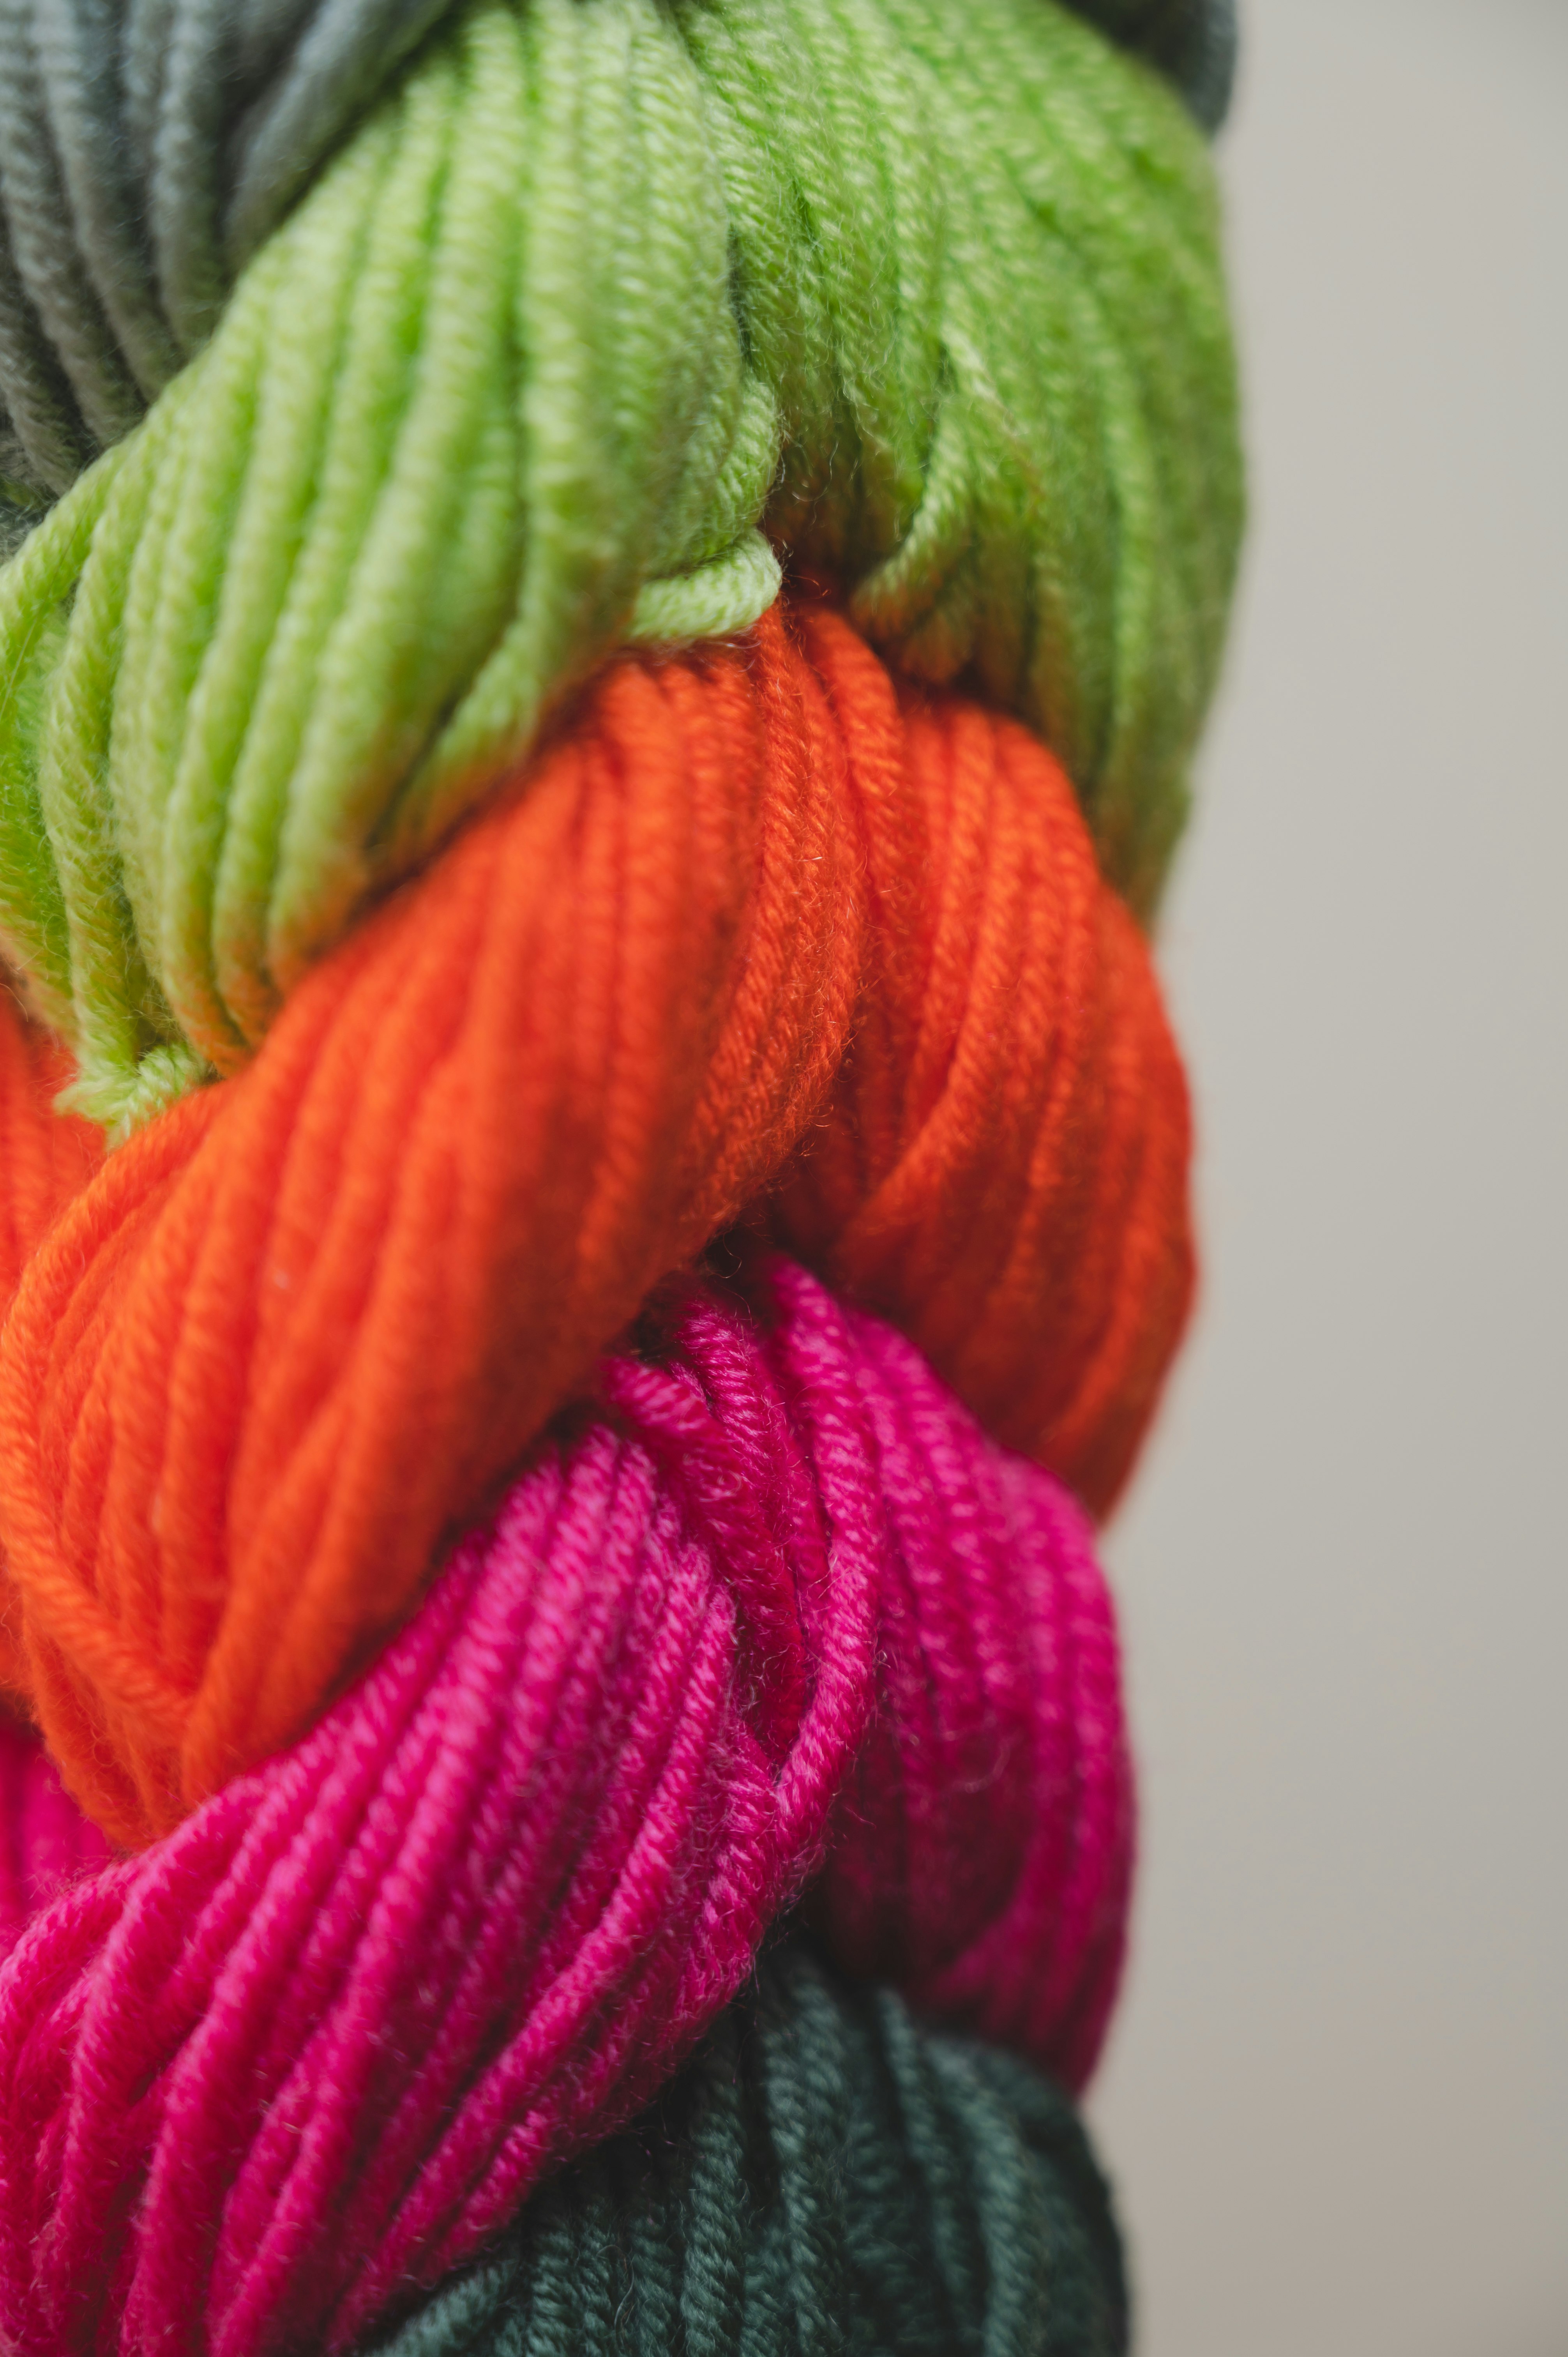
(762,937)
(828,2176)
(145,152)
(596,293)
(772,1608)
(605,607)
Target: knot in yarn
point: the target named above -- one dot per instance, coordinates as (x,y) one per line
(595,295)
(829,2175)
(758,940)
(772,1608)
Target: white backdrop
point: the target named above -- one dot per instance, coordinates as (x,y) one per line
(1336,2101)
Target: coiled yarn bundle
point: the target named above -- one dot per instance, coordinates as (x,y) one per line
(148,151)
(762,939)
(596,293)
(776,1602)
(826,2176)
(605,607)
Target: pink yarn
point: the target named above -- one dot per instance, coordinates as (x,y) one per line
(44,1840)
(261,2080)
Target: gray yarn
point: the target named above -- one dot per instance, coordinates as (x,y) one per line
(147,147)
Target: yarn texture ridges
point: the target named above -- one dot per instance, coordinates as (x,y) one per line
(145,152)
(828,2175)
(597,290)
(774,1609)
(763,940)
(604,606)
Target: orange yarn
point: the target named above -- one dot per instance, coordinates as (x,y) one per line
(764,936)
(44,1159)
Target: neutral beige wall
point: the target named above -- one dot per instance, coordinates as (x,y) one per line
(1338,2099)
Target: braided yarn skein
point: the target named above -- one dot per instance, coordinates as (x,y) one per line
(773,1609)
(146,152)
(758,917)
(828,2175)
(599,292)
(484,1581)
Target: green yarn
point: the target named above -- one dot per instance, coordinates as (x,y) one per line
(825,2179)
(601,287)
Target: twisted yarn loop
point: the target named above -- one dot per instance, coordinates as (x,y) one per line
(761,936)
(774,1597)
(585,1169)
(827,2179)
(596,290)
(146,152)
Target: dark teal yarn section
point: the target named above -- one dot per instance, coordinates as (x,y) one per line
(826,2179)
(147,147)
(1193,41)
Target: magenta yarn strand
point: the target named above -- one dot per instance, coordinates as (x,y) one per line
(773,1618)
(44,1840)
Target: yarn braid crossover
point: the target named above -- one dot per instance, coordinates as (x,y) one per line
(604,310)
(605,608)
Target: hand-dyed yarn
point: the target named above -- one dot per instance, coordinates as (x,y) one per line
(596,291)
(321,2041)
(145,152)
(1194,42)
(758,938)
(828,2178)
(455,1541)
(45,1157)
(46,1843)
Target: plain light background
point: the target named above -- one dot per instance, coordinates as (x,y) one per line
(1336,2101)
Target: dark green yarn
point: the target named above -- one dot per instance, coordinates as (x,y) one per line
(826,2179)
(1193,41)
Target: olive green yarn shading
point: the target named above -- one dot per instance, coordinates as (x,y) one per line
(825,2179)
(932,295)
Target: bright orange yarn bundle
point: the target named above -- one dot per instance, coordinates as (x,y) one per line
(763,937)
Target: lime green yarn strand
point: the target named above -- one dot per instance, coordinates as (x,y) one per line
(479,410)
(436,564)
(342,402)
(1132,198)
(35,929)
(1078,498)
(647,453)
(605,305)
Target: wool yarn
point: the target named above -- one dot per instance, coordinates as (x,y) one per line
(1196,45)
(597,290)
(761,937)
(828,2176)
(44,1840)
(145,152)
(605,605)
(45,1157)
(775,1596)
